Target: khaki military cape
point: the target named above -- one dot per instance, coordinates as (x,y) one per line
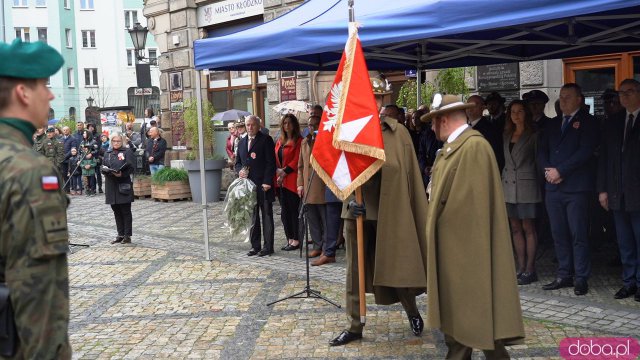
(472,292)
(401,244)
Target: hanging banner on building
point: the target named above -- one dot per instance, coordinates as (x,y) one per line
(229,10)
(287,89)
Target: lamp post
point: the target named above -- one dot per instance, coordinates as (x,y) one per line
(90,101)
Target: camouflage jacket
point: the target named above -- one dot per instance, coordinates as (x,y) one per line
(33,246)
(53,150)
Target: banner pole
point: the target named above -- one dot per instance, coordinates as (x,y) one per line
(361,267)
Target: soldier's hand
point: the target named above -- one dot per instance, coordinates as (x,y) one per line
(356,209)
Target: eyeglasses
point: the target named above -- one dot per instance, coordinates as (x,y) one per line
(116,141)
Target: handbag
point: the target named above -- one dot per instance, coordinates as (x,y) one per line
(8,334)
(125,188)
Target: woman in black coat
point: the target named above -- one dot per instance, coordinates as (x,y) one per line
(118,165)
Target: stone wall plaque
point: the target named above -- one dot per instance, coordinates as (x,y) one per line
(177,127)
(498,77)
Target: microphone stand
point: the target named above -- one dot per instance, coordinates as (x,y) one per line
(84,155)
(308,292)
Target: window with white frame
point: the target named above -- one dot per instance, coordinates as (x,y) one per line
(20,3)
(42,34)
(68,37)
(153,56)
(88,38)
(70,77)
(41,3)
(67,4)
(131,57)
(23,33)
(86,5)
(90,77)
(130,18)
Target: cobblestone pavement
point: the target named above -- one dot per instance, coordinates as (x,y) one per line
(159,298)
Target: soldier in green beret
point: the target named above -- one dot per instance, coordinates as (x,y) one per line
(33,220)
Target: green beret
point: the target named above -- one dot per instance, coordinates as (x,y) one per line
(35,60)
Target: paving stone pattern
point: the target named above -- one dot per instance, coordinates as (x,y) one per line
(159,298)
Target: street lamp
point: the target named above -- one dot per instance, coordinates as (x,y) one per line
(139,38)
(90,101)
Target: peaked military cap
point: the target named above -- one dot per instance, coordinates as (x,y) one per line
(24,60)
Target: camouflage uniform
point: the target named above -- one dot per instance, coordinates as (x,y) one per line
(53,150)
(33,246)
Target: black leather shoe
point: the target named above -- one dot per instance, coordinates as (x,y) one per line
(558,284)
(344,338)
(527,278)
(581,288)
(285,247)
(126,239)
(416,324)
(264,252)
(290,247)
(625,292)
(637,296)
(117,240)
(253,252)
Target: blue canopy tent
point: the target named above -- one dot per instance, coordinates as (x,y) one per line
(412,34)
(421,34)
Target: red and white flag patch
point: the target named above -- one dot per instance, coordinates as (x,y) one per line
(50,183)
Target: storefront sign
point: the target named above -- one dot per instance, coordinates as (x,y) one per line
(498,77)
(229,10)
(287,89)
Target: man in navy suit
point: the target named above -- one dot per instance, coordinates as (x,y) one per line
(256,160)
(566,153)
(619,183)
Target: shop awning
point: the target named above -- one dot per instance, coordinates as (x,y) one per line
(409,34)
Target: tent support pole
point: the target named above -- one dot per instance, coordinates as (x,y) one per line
(418,87)
(201,144)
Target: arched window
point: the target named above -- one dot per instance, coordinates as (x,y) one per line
(72,113)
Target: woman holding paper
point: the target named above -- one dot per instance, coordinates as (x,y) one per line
(117,167)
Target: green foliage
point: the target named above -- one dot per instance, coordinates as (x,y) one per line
(190,116)
(408,95)
(448,81)
(167,174)
(451,81)
(67,121)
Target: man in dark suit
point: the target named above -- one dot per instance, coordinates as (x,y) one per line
(495,106)
(619,183)
(484,126)
(256,161)
(566,152)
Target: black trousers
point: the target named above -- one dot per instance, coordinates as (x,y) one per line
(290,204)
(124,219)
(264,210)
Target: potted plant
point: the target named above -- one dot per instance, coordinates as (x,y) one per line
(213,163)
(170,184)
(141,185)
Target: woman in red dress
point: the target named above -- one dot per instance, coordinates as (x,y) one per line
(287,154)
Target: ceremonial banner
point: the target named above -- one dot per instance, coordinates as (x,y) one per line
(349,148)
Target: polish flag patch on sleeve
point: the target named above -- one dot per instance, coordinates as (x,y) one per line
(50,183)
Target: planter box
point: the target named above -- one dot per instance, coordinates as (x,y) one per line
(141,186)
(171,190)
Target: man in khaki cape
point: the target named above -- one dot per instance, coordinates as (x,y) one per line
(394,240)
(471,286)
